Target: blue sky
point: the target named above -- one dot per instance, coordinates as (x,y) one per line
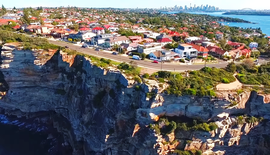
(223,4)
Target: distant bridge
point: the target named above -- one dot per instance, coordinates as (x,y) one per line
(247,9)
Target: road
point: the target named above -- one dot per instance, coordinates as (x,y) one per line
(140,63)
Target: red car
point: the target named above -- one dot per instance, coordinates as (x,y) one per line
(155,61)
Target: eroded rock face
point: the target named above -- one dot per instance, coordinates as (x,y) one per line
(106,115)
(97,103)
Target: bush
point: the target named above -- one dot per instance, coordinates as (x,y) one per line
(231,67)
(225,80)
(137,79)
(146,75)
(182,60)
(161,80)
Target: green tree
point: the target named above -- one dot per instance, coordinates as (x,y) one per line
(231,67)
(4,10)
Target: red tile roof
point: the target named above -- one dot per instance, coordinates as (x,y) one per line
(17,27)
(199,48)
(164,40)
(216,50)
(98,28)
(84,29)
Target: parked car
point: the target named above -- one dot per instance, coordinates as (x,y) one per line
(155,61)
(97,49)
(114,53)
(66,46)
(136,57)
(85,46)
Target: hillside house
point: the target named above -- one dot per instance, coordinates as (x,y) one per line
(186,51)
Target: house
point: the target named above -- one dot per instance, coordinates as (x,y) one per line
(155,55)
(202,51)
(234,44)
(246,53)
(16,27)
(130,47)
(148,40)
(207,43)
(190,39)
(139,30)
(186,51)
(83,35)
(6,21)
(113,29)
(149,47)
(216,51)
(98,30)
(253,45)
(163,35)
(100,39)
(163,55)
(135,39)
(151,34)
(234,53)
(219,35)
(164,41)
(116,40)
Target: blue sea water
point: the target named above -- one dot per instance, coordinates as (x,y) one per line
(262,22)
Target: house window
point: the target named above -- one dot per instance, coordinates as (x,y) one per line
(185,53)
(193,52)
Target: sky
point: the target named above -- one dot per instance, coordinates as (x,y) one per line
(222,4)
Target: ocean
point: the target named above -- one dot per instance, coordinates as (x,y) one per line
(262,22)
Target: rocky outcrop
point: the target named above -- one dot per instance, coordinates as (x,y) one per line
(97,104)
(102,112)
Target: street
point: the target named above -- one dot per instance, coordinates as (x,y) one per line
(140,63)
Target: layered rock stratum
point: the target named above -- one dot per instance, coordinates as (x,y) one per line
(104,113)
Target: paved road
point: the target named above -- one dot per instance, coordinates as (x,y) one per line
(144,64)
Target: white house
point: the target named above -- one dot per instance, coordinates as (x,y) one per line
(163,55)
(113,29)
(190,39)
(149,47)
(151,34)
(82,35)
(116,40)
(186,51)
(100,39)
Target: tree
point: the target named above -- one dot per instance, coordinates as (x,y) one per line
(4,10)
(248,63)
(231,67)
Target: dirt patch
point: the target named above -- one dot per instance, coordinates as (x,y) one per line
(230,86)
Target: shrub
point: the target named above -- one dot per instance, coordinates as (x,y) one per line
(239,91)
(231,67)
(146,75)
(161,80)
(225,80)
(137,79)
(191,92)
(182,60)
(198,152)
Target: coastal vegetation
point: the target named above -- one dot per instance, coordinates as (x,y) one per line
(197,83)
(167,125)
(250,74)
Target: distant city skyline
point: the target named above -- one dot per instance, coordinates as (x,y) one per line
(228,4)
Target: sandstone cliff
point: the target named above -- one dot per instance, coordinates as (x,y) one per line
(104,113)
